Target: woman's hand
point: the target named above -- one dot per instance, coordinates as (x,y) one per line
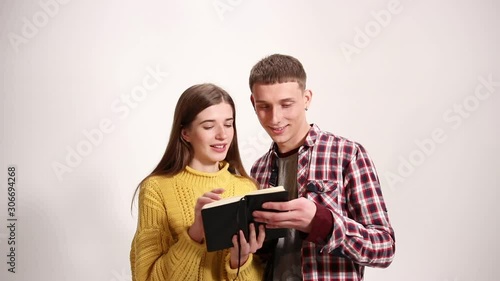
(247,248)
(196,231)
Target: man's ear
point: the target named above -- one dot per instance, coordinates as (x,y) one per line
(307,98)
(252,101)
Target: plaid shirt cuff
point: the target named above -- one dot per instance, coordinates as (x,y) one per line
(322,226)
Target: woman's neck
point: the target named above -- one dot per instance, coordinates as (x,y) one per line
(204,167)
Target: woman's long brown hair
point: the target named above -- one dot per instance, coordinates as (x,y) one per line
(179,153)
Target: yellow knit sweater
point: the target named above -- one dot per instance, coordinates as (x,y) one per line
(162,249)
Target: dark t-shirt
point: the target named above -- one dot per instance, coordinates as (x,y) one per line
(287,257)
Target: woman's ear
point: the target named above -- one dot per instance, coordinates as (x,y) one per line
(185,135)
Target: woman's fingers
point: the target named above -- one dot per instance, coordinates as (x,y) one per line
(214,193)
(262,236)
(253,235)
(208,197)
(255,241)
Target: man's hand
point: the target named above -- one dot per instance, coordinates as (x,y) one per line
(297,213)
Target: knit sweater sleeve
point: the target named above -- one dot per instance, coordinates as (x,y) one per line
(251,270)
(154,254)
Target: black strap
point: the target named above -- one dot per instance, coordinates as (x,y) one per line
(238,223)
(239,256)
(273,178)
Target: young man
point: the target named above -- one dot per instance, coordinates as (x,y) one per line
(337,219)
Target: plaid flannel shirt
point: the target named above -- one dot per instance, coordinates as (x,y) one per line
(338,174)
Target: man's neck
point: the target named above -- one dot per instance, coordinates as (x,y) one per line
(287,148)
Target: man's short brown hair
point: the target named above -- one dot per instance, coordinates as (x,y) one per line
(278,68)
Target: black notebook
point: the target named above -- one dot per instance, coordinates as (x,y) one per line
(223,218)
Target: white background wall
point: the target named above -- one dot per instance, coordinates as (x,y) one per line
(404,78)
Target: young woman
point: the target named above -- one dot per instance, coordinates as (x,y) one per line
(201,164)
